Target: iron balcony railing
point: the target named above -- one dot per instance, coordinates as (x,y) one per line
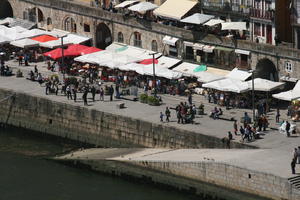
(262,14)
(227,6)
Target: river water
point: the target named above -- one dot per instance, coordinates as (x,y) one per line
(25,174)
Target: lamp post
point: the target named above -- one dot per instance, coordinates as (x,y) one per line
(154,77)
(253,106)
(62,55)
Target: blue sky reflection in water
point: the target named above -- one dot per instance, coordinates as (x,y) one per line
(24,175)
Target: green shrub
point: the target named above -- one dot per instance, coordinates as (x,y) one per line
(144,98)
(153,101)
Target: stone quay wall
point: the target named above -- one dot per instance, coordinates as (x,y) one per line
(209,180)
(229,176)
(96,127)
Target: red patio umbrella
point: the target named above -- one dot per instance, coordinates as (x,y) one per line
(56,54)
(148,61)
(44,38)
(75,49)
(90,50)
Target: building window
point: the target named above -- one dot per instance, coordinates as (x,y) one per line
(25,15)
(263,30)
(120,37)
(257,29)
(154,45)
(288,66)
(49,21)
(173,51)
(137,39)
(86,28)
(70,25)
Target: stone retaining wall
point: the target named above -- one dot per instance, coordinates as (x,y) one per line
(229,176)
(207,179)
(168,174)
(97,127)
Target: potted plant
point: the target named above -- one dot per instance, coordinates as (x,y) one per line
(153,101)
(19,73)
(143,98)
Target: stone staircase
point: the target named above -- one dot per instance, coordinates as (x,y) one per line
(295,181)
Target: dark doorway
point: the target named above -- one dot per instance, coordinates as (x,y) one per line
(103,36)
(5,9)
(266,69)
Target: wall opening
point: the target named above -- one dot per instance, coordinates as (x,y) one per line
(103,36)
(266,69)
(5,9)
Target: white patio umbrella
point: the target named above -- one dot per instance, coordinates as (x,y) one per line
(4,40)
(289,95)
(264,85)
(25,43)
(197,18)
(234,26)
(126,3)
(33,33)
(143,7)
(228,85)
(130,67)
(213,22)
(19,29)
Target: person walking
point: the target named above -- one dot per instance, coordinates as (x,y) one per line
(69,94)
(56,89)
(295,154)
(277,115)
(47,87)
(20,59)
(111,92)
(264,122)
(235,127)
(230,137)
(293,165)
(298,154)
(84,97)
(161,117)
(190,98)
(101,94)
(74,90)
(287,128)
(117,91)
(168,114)
(93,91)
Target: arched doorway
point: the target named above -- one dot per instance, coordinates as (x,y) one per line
(266,69)
(103,36)
(5,9)
(70,25)
(40,15)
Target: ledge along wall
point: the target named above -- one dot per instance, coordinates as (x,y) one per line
(96,127)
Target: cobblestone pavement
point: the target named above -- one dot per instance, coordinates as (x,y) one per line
(277,147)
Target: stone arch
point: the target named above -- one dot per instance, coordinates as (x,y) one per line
(6,9)
(103,36)
(69,24)
(40,15)
(266,69)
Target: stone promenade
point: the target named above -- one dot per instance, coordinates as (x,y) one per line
(276,149)
(269,163)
